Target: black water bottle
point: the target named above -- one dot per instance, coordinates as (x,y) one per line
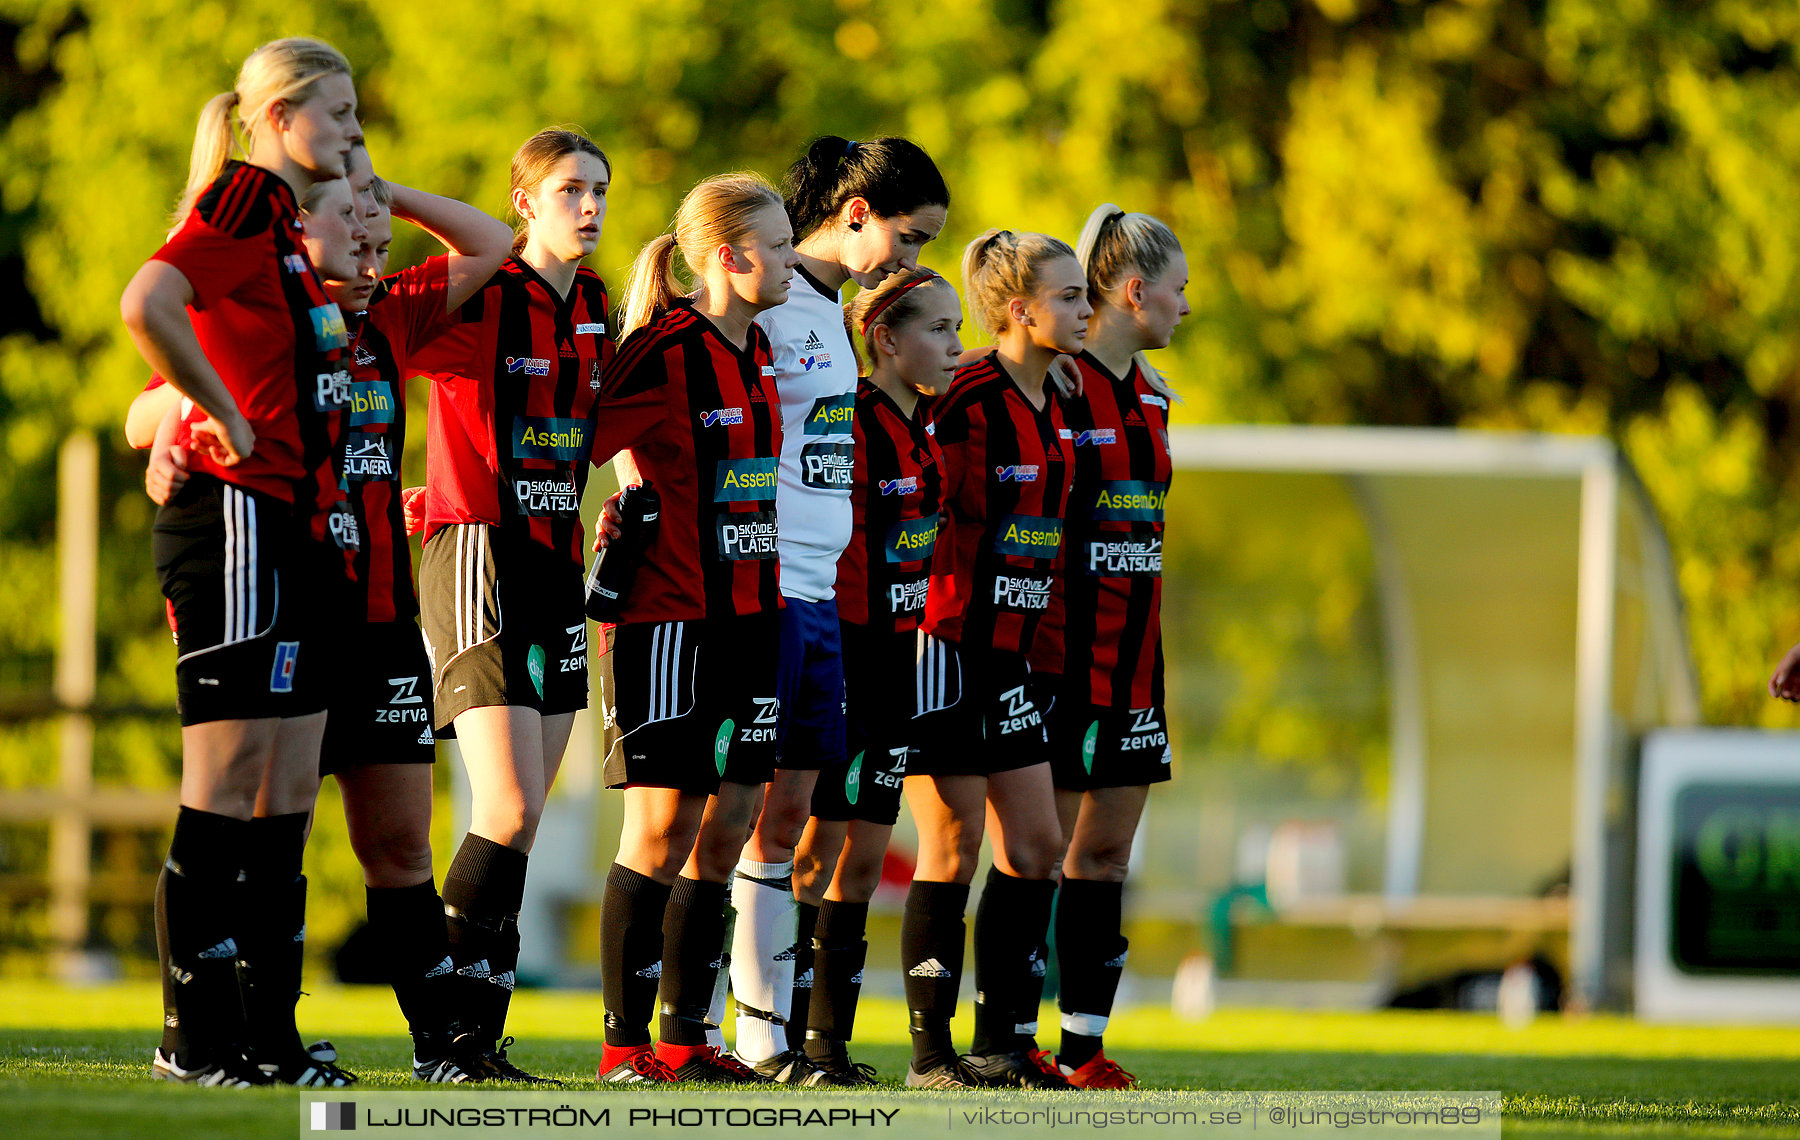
(616,566)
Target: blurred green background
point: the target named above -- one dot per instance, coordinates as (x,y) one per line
(1558,215)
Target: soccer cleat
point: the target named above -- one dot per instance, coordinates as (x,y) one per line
(1017,1070)
(841,1072)
(955,1075)
(441,1071)
(631,1065)
(307,1071)
(791,1067)
(705,1064)
(1098,1073)
(491,1064)
(235,1074)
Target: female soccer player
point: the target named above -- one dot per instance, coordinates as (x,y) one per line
(378,738)
(688,678)
(860,211)
(511,422)
(908,327)
(1100,647)
(232,314)
(982,748)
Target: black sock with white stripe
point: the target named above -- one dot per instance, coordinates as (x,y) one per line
(839,953)
(198,916)
(631,953)
(1010,923)
(275,942)
(806,917)
(482,892)
(693,953)
(408,925)
(931,952)
(1090,957)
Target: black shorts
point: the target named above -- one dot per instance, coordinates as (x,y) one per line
(978,713)
(503,623)
(688,704)
(256,605)
(881,703)
(1094,747)
(381,706)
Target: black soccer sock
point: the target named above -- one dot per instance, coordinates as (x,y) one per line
(931,953)
(275,951)
(482,892)
(199,921)
(408,925)
(805,919)
(1010,923)
(693,952)
(631,953)
(839,953)
(1090,957)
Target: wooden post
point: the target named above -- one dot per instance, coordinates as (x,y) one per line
(71,829)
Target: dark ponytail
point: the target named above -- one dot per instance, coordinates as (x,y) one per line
(894,176)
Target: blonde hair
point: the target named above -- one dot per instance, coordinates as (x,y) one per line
(1001,265)
(534,160)
(1114,247)
(381,192)
(895,302)
(718,211)
(278,70)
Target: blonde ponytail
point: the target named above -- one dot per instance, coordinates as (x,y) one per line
(651,287)
(1115,246)
(718,211)
(1001,265)
(280,69)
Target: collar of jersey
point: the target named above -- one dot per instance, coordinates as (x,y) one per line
(563,304)
(746,352)
(829,294)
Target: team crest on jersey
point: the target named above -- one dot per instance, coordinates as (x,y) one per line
(1018,473)
(1096,436)
(530,365)
(905,485)
(594,375)
(364,357)
(730,417)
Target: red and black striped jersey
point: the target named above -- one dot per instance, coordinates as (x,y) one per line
(702,422)
(1006,483)
(895,501)
(511,424)
(1105,619)
(268,329)
(405,312)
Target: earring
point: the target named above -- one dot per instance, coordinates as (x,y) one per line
(856,227)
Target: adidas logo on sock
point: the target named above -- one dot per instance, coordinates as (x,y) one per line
(181,976)
(717,963)
(788,954)
(442,968)
(171,1020)
(300,935)
(476,970)
(1119,962)
(804,981)
(1037,967)
(225,949)
(929,968)
(856,981)
(653,971)
(505,981)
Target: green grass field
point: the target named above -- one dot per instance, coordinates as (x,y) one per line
(74,1062)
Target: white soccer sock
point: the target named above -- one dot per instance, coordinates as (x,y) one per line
(762,954)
